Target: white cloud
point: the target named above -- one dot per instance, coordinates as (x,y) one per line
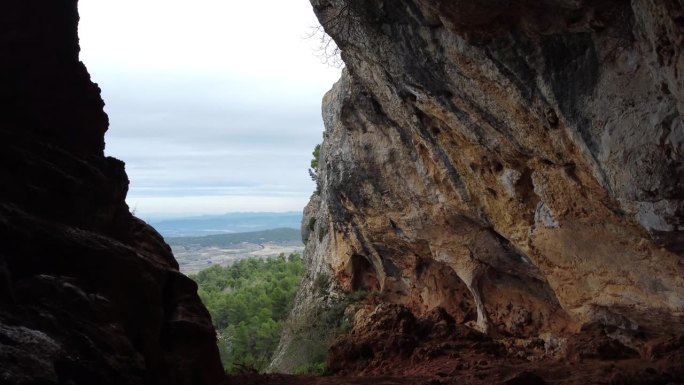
(258,39)
(208,94)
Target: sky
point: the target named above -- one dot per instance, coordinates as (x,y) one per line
(214,105)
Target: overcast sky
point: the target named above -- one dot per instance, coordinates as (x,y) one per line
(214,105)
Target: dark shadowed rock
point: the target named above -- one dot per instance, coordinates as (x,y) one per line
(525,378)
(88,293)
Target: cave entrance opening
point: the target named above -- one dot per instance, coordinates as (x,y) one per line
(215,109)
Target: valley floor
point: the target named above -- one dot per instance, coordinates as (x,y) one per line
(194,260)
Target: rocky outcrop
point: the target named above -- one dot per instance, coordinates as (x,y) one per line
(88,293)
(520,164)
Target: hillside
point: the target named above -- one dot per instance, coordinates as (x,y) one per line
(248,302)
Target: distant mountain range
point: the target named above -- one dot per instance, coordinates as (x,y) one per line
(227,223)
(276,236)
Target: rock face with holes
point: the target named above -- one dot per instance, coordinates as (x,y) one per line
(88,293)
(519,164)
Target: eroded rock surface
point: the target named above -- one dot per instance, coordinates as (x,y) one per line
(88,293)
(519,164)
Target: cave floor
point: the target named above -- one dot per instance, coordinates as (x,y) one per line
(618,372)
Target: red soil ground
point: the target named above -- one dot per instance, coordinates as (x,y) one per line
(399,349)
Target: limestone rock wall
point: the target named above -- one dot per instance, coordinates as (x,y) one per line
(520,164)
(88,293)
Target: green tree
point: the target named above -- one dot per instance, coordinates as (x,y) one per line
(313,171)
(248,302)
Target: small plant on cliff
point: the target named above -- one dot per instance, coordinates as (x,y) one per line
(342,22)
(313,171)
(327,50)
(321,284)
